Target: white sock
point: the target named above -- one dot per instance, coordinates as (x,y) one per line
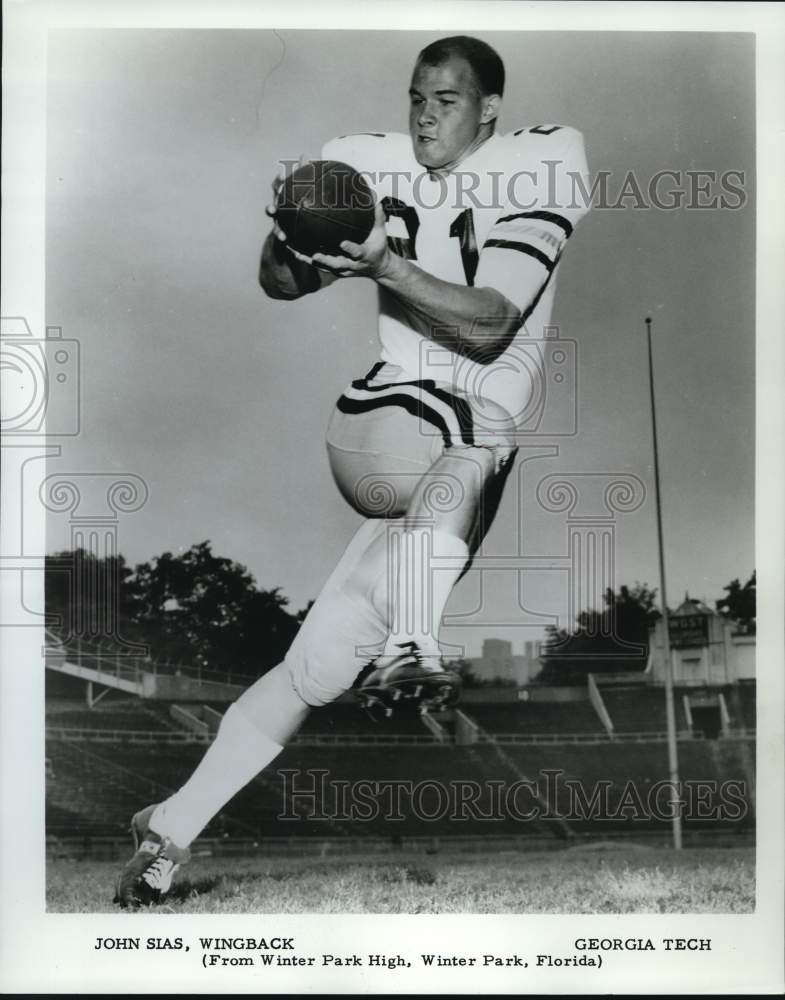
(418,586)
(246,742)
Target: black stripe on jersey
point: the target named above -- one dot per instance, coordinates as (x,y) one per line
(557,220)
(538,296)
(371,374)
(414,406)
(526,248)
(461,409)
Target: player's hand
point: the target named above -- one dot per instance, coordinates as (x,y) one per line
(360,260)
(271,210)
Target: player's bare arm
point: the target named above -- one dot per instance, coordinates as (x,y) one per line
(284,276)
(283,273)
(477,322)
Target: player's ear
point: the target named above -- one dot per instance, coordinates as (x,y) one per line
(491,106)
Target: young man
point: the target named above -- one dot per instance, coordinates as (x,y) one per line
(469,229)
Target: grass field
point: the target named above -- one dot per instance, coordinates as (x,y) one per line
(598,879)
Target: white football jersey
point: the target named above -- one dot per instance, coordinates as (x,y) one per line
(500,220)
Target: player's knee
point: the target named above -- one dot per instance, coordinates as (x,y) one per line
(336,640)
(494,441)
(311,676)
(315,678)
(482,461)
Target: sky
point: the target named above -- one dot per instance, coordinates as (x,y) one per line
(161,147)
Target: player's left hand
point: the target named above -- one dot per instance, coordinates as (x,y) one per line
(360,260)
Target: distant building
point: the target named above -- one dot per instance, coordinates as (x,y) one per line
(707,649)
(499,663)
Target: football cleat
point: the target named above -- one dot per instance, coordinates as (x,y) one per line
(147,877)
(410,678)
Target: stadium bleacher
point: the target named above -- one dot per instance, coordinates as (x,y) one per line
(93,789)
(99,794)
(640,709)
(348,718)
(643,765)
(742,706)
(341,719)
(97,797)
(128,714)
(97,791)
(536,717)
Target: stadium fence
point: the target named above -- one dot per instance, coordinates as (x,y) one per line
(86,734)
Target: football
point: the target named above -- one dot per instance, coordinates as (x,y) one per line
(323,203)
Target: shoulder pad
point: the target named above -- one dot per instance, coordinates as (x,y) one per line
(545,142)
(354,135)
(369,151)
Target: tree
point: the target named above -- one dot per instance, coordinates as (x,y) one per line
(463,668)
(740,604)
(615,639)
(96,598)
(266,630)
(206,610)
(196,608)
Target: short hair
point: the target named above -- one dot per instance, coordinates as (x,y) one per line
(485,62)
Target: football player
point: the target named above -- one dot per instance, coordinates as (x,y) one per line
(469,230)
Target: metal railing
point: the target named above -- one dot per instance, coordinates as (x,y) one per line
(150,736)
(83,734)
(366,739)
(107,658)
(161,736)
(584,738)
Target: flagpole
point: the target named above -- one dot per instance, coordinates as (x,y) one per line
(670,711)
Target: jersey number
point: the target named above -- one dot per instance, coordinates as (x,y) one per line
(539,130)
(404,246)
(462,229)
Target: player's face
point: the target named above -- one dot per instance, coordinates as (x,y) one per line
(448,116)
